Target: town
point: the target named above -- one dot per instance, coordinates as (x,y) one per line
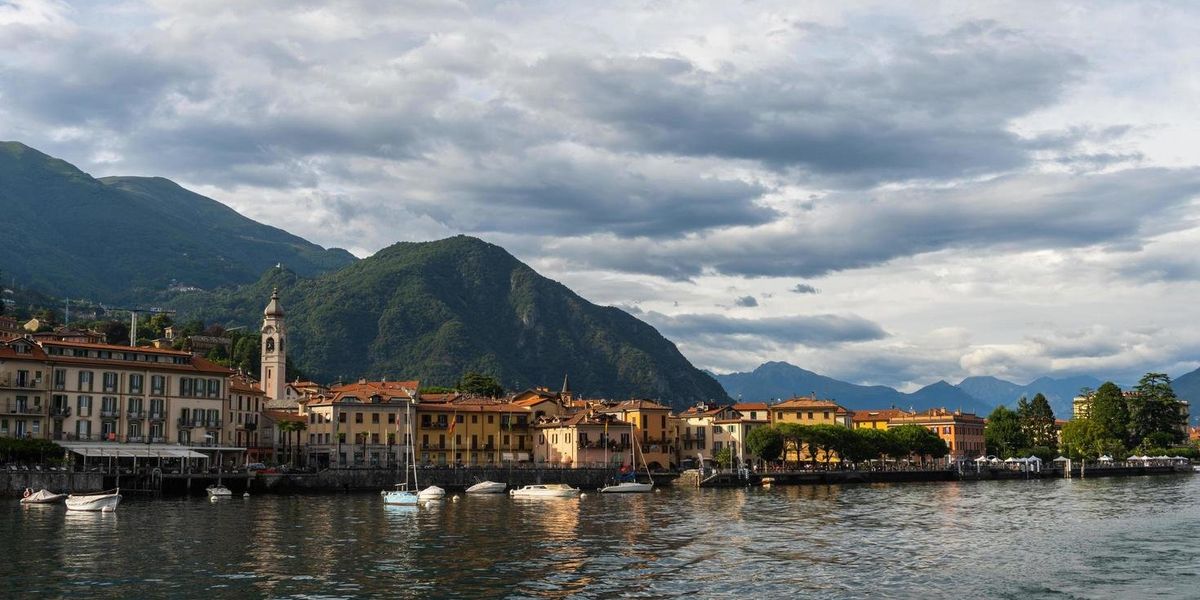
(114,406)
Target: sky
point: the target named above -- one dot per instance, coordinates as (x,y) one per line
(887,193)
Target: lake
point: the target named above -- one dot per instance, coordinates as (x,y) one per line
(1093,538)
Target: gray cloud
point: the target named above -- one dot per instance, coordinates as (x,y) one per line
(818,330)
(803,288)
(746,301)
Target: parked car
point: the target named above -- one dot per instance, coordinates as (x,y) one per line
(255,466)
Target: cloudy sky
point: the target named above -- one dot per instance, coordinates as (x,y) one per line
(884,192)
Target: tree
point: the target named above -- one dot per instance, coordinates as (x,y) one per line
(879,443)
(917,440)
(1086,438)
(1037,422)
(1003,433)
(765,442)
(794,436)
(480,384)
(1110,412)
(1154,408)
(724,457)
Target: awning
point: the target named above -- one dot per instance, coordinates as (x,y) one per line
(131,451)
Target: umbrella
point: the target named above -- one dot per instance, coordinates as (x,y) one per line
(1033,458)
(1105,458)
(981,459)
(1061,458)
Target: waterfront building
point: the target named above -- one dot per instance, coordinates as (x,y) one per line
(962,432)
(751,415)
(809,410)
(876,418)
(281,437)
(754,411)
(246,401)
(587,438)
(473,431)
(274,352)
(359,424)
(700,437)
(652,429)
(24,391)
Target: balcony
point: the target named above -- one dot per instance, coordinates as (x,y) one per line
(60,412)
(184,423)
(20,408)
(136,415)
(157,440)
(23,383)
(434,447)
(109,414)
(135,439)
(214,424)
(157,416)
(611,445)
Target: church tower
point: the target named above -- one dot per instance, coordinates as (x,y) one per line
(274,357)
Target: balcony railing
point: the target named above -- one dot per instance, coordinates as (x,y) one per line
(157,440)
(60,411)
(601,445)
(185,423)
(213,424)
(14,408)
(135,439)
(157,416)
(25,384)
(137,415)
(109,414)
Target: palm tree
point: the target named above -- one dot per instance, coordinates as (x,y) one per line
(285,427)
(299,427)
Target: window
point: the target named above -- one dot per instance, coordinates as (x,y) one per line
(391,418)
(83,429)
(779,414)
(156,432)
(458,418)
(85,381)
(825,415)
(83,406)
(810,415)
(341,417)
(358,418)
(491,419)
(214,388)
(135,383)
(110,382)
(375,418)
(156,408)
(374,438)
(158,384)
(60,379)
(474,418)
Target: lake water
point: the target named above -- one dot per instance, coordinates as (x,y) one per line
(1097,538)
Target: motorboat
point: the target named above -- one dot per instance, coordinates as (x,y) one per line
(97,502)
(488,487)
(546,490)
(627,487)
(401,496)
(431,493)
(219,491)
(42,496)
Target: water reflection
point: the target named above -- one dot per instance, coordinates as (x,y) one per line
(1082,538)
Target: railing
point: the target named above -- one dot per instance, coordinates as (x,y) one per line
(432,447)
(157,440)
(135,439)
(137,415)
(109,414)
(28,384)
(214,424)
(60,411)
(23,409)
(185,423)
(157,416)
(601,445)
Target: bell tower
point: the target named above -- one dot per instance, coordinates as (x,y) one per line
(274,355)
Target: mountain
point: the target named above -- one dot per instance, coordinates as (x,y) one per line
(1060,392)
(781,380)
(945,395)
(1187,387)
(122,238)
(434,310)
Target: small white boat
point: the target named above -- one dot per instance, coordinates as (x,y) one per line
(488,487)
(546,490)
(99,501)
(42,496)
(628,487)
(219,491)
(431,493)
(400,496)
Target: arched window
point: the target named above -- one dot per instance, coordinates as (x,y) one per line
(270,344)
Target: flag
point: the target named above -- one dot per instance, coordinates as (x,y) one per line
(453,422)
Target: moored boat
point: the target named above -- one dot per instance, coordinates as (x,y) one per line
(42,496)
(487,487)
(400,496)
(99,501)
(546,490)
(626,487)
(431,493)
(219,491)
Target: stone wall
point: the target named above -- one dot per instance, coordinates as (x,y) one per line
(13,483)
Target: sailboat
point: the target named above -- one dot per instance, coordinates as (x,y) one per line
(632,486)
(401,495)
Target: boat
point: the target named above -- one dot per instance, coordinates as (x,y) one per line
(545,490)
(219,491)
(631,485)
(401,495)
(99,501)
(42,496)
(431,493)
(488,487)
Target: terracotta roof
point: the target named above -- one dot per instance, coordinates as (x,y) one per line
(809,403)
(879,414)
(637,405)
(939,415)
(283,415)
(744,406)
(534,401)
(35,351)
(244,385)
(140,349)
(363,390)
(585,418)
(702,411)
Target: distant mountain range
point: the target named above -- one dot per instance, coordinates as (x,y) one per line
(118,239)
(980,395)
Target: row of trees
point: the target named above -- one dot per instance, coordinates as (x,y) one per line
(1027,430)
(1146,421)
(789,440)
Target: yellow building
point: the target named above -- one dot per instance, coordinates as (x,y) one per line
(652,431)
(808,410)
(587,438)
(876,418)
(360,424)
(962,432)
(473,432)
(24,391)
(245,402)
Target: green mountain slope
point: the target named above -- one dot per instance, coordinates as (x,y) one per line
(121,238)
(434,310)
